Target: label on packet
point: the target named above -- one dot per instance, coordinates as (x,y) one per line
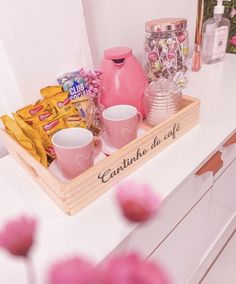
(47,129)
(30,111)
(61,103)
(74,84)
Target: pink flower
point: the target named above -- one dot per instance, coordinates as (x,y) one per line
(137,202)
(233,41)
(72,271)
(131,269)
(18,236)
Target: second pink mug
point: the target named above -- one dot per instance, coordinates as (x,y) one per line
(75,150)
(121,124)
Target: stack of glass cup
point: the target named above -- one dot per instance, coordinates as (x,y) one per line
(162,98)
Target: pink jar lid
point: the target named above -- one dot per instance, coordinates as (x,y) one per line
(117,53)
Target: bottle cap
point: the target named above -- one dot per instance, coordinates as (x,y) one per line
(219,8)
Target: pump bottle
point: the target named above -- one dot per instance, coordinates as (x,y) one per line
(215,36)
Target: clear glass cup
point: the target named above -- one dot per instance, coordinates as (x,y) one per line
(162,98)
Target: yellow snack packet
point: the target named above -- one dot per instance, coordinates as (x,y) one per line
(47,129)
(61,103)
(50,153)
(34,136)
(50,91)
(85,108)
(17,133)
(30,111)
(74,120)
(45,115)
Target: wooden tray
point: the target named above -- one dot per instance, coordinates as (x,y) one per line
(74,195)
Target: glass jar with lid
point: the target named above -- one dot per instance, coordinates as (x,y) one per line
(166,52)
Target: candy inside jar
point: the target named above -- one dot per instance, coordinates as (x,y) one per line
(166,52)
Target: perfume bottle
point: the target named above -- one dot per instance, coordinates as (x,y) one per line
(215,36)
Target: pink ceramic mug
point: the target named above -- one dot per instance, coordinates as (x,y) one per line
(75,150)
(121,123)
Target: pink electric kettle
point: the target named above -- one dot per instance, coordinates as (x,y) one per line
(123,80)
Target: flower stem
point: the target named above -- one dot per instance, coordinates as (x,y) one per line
(30,271)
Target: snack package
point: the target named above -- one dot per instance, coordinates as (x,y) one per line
(30,111)
(34,136)
(33,114)
(83,90)
(74,120)
(46,131)
(75,84)
(44,115)
(84,107)
(61,103)
(50,153)
(50,91)
(17,133)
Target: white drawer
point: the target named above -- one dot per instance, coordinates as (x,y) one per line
(189,246)
(147,237)
(221,219)
(224,190)
(189,250)
(181,252)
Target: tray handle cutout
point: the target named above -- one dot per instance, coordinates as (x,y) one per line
(214,164)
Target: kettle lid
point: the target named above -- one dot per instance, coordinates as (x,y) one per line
(117,52)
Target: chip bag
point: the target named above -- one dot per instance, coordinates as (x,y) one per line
(30,111)
(34,136)
(74,120)
(61,103)
(17,133)
(50,91)
(46,131)
(84,107)
(44,115)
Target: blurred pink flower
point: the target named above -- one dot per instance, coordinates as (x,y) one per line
(233,41)
(131,269)
(72,271)
(18,236)
(137,202)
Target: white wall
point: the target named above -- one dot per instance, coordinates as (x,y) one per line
(9,95)
(42,39)
(121,22)
(39,40)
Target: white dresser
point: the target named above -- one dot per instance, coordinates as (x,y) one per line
(197,215)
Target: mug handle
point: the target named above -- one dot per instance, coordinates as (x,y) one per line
(97,146)
(139,119)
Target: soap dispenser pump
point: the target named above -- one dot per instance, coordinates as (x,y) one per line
(215,35)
